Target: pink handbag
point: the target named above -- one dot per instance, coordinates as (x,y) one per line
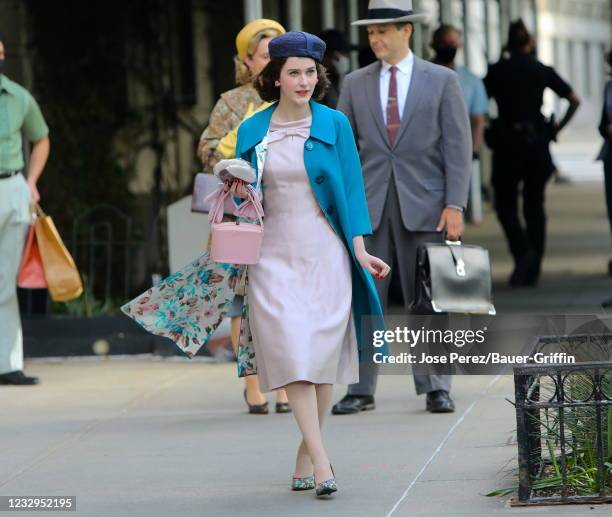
(236,242)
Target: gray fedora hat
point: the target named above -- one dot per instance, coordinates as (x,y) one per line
(390,11)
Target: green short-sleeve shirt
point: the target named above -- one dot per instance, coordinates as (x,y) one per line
(19,114)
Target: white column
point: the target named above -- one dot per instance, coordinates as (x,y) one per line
(446,11)
(476,193)
(486,13)
(577,72)
(467,35)
(505,15)
(597,67)
(525,11)
(252,10)
(491,27)
(353,13)
(295,15)
(478,34)
(565,59)
(327,9)
(417,36)
(515,9)
(471,33)
(533,5)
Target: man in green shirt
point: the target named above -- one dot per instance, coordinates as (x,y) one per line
(20,117)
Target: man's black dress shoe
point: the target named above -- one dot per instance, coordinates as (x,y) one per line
(17,378)
(439,401)
(353,404)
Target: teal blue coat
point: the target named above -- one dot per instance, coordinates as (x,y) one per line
(334,170)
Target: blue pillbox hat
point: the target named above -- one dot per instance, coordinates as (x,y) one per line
(296,44)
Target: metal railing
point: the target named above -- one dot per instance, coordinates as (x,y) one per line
(112,251)
(564,421)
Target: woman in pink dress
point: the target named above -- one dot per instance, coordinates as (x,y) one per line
(306,293)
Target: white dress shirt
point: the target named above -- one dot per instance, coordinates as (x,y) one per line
(403,77)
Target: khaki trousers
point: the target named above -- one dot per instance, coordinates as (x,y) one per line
(14,221)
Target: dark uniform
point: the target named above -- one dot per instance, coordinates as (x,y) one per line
(605,155)
(520,140)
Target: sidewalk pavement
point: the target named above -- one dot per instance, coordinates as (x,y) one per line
(161,438)
(575,154)
(153,437)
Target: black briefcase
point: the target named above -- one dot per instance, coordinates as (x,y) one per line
(452,278)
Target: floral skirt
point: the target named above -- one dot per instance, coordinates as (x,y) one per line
(189,305)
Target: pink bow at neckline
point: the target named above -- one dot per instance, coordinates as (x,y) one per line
(279,134)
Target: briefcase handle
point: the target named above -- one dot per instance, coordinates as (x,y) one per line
(453,243)
(458,260)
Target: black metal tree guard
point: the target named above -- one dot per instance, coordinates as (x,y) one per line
(532,402)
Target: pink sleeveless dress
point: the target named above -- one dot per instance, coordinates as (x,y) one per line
(300,292)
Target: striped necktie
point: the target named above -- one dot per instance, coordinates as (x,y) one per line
(393,116)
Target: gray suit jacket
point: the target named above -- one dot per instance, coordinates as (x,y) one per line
(431,160)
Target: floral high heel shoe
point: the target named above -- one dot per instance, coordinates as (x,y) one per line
(299,484)
(328,486)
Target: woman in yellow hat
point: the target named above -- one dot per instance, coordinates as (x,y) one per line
(218,142)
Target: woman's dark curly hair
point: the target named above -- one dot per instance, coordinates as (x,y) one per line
(264,82)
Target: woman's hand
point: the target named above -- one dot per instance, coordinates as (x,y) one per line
(374,265)
(237,187)
(34,192)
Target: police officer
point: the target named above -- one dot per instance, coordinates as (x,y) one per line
(19,115)
(520,140)
(605,155)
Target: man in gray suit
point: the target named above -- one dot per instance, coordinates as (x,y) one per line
(413,133)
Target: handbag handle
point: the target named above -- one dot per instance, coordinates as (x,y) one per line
(37,210)
(261,151)
(216,214)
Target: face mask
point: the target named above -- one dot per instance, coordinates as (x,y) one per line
(343,65)
(446,54)
(1,65)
